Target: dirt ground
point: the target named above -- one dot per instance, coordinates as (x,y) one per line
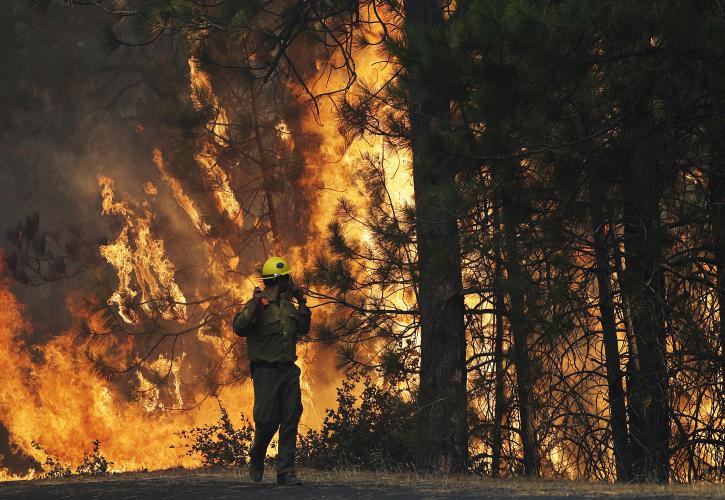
(228,484)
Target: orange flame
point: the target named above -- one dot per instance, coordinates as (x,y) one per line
(137,254)
(64,405)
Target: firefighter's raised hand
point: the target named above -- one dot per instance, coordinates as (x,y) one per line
(260,299)
(297,292)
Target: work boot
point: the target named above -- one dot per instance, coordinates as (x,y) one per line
(256,471)
(288,479)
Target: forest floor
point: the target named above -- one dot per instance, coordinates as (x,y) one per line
(228,484)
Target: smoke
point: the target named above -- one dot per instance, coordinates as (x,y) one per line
(57,135)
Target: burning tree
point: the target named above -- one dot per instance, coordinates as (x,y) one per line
(542,277)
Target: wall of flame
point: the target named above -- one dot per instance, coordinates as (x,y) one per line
(51,395)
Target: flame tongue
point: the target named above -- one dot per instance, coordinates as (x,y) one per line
(137,254)
(181,197)
(216,178)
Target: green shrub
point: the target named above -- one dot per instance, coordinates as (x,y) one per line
(374,431)
(220,443)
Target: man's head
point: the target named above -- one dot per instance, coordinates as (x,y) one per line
(275,271)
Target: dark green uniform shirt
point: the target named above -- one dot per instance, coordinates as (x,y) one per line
(272,334)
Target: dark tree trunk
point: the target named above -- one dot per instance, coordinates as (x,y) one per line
(716,185)
(618,410)
(717,201)
(267,175)
(508,186)
(442,427)
(647,169)
(644,283)
(632,365)
(299,177)
(500,403)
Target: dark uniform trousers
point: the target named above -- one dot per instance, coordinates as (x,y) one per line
(277,406)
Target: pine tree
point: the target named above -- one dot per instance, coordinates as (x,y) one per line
(442,424)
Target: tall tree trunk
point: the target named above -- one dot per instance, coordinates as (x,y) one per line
(442,427)
(304,143)
(717,207)
(267,175)
(716,186)
(632,365)
(645,286)
(508,186)
(647,170)
(617,408)
(500,403)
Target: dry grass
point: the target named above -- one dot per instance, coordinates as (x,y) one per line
(517,486)
(351,483)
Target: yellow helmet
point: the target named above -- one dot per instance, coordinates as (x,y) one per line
(273,267)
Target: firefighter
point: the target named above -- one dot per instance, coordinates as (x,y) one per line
(272,322)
